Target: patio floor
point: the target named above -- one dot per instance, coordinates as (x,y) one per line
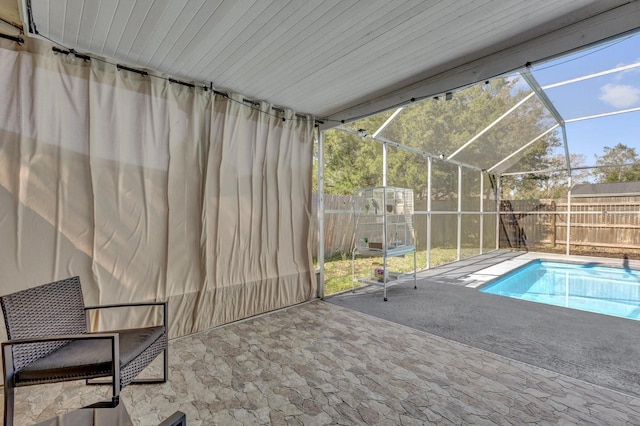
(599,349)
(318,363)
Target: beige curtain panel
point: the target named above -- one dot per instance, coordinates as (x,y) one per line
(150,190)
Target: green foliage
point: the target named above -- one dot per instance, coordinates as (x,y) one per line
(338,270)
(616,156)
(350,164)
(440,127)
(545,185)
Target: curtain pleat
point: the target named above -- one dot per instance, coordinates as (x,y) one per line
(150,191)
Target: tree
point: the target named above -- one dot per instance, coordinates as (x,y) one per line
(554,184)
(440,127)
(613,160)
(350,161)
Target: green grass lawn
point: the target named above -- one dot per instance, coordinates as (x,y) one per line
(337,270)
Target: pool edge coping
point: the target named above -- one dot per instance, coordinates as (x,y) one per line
(486,276)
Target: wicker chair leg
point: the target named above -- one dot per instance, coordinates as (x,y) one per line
(165,367)
(7,362)
(8,405)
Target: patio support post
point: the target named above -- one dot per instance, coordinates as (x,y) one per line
(568,250)
(567,156)
(429,161)
(459,239)
(384,164)
(481,212)
(498,192)
(321,213)
(568,159)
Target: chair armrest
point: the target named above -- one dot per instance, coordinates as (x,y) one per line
(85,336)
(165,312)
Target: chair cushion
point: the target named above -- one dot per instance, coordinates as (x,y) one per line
(89,358)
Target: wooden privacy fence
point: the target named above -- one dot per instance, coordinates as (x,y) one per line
(604,222)
(600,222)
(339,226)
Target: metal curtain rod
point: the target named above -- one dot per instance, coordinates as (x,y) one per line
(18,40)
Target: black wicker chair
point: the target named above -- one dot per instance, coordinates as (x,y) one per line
(49,341)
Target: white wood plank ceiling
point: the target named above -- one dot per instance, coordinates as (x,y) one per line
(331,58)
(10,19)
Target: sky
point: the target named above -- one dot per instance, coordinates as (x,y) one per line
(608,93)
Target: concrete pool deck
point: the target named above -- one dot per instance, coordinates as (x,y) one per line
(481,277)
(597,348)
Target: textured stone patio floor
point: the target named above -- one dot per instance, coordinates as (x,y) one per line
(319,363)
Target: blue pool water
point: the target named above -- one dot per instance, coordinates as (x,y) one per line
(588,287)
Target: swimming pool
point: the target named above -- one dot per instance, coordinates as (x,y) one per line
(588,287)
